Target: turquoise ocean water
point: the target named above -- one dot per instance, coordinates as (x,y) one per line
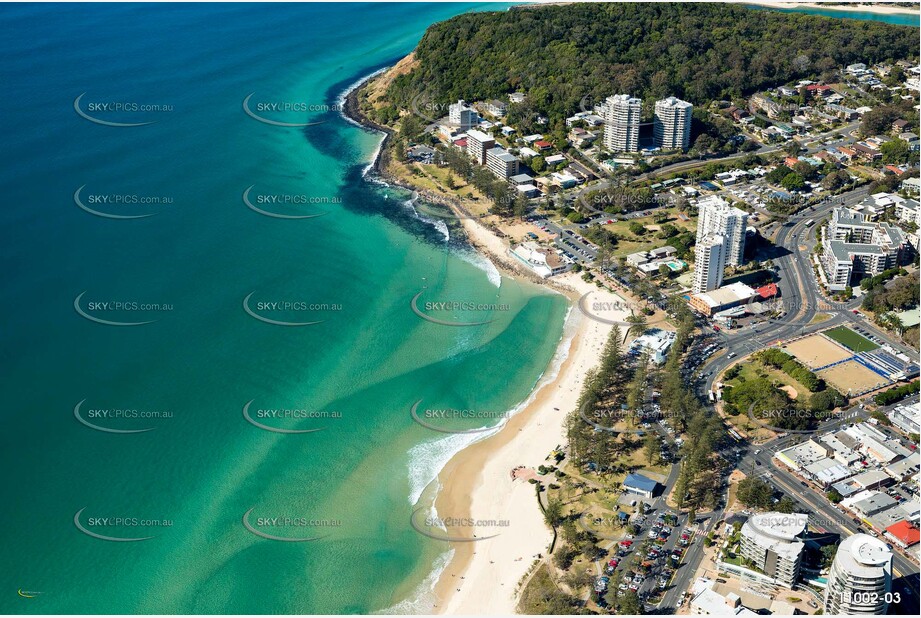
(899,19)
(189,481)
(188,375)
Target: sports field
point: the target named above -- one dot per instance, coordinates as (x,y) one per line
(817,351)
(848,338)
(852,377)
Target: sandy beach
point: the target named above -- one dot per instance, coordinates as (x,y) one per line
(483,576)
(477,484)
(851,6)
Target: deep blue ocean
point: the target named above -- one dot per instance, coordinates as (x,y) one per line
(149,389)
(188,256)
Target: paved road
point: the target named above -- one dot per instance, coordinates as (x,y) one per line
(830,518)
(799,293)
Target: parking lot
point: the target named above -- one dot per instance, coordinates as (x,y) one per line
(646,562)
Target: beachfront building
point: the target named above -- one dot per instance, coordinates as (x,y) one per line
(541,260)
(477,145)
(655,343)
(771,541)
(860,577)
(639,485)
(708,263)
(716,216)
(622,123)
(672,124)
(462,115)
(501,163)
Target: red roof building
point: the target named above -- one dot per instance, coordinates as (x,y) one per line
(790,161)
(461,143)
(767,291)
(903,533)
(543,145)
(817,90)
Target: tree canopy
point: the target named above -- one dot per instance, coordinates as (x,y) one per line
(573,56)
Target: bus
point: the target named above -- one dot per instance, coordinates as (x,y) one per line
(810,222)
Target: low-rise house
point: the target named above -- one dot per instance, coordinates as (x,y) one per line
(496,108)
(528,152)
(529,190)
(900,126)
(867,153)
(521,179)
(858,68)
(819,91)
(564,180)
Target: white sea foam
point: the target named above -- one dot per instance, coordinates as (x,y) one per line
(426,460)
(422,600)
(483,263)
(438,224)
(341,99)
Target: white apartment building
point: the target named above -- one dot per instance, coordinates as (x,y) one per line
(462,115)
(622,123)
(501,163)
(672,124)
(708,263)
(854,247)
(771,541)
(477,145)
(860,577)
(717,217)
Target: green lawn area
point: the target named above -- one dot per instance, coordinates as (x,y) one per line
(632,243)
(756,369)
(851,340)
